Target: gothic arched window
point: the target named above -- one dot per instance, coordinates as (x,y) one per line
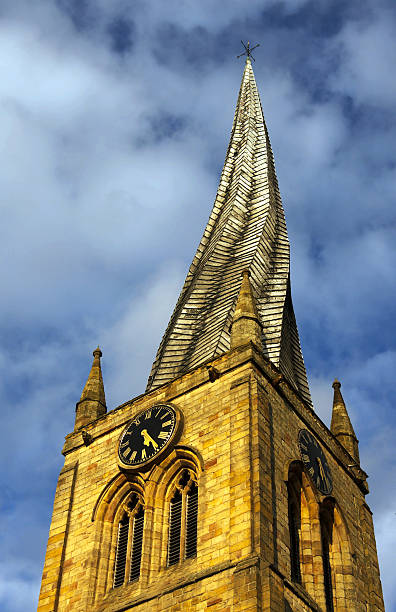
(183,520)
(294,516)
(297,508)
(129,542)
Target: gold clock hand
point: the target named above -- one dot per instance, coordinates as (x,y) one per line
(321,470)
(147,439)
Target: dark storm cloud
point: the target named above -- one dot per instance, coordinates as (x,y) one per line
(115,121)
(81,13)
(121,32)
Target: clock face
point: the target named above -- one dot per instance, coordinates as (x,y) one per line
(315,462)
(147,435)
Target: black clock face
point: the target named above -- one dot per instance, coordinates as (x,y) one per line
(147,435)
(315,462)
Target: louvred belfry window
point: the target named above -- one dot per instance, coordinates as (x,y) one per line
(183,520)
(129,543)
(121,554)
(175,516)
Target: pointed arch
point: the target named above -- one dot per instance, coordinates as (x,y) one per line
(111,495)
(336,556)
(181,456)
(119,517)
(172,490)
(303,527)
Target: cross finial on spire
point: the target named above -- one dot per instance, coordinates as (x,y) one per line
(248,50)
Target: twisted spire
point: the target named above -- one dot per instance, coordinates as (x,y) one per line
(246,230)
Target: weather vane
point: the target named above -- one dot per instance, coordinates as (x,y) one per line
(248,50)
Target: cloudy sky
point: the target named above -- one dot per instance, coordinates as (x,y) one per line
(115,118)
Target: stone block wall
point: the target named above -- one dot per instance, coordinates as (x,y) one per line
(239,437)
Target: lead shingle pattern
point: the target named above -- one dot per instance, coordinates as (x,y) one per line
(246,229)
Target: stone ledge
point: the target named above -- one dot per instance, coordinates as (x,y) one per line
(238,566)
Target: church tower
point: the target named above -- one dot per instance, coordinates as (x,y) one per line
(219,488)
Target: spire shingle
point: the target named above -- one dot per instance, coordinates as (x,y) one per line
(246,230)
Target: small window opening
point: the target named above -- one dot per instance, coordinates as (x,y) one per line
(183,520)
(137,543)
(175,528)
(129,543)
(121,554)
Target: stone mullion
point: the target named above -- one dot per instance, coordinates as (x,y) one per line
(316,539)
(307,544)
(152,539)
(129,548)
(183,525)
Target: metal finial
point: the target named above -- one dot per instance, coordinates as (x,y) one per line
(248,50)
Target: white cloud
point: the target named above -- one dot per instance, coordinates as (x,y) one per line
(367,49)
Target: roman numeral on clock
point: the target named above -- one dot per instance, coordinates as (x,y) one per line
(163,435)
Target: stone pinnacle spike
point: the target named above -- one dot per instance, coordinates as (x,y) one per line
(92,404)
(341,425)
(246,325)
